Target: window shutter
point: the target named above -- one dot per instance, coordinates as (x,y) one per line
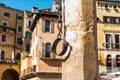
(27,23)
(52,26)
(111,20)
(119,20)
(43,25)
(43,49)
(103,19)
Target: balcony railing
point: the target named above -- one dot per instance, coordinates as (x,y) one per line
(13,29)
(7,30)
(8,61)
(111,45)
(113,69)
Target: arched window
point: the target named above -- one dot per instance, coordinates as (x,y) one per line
(2,55)
(27,35)
(18,56)
(109,63)
(47,49)
(47,26)
(118,60)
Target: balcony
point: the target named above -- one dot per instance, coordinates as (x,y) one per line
(111,46)
(112,69)
(8,61)
(46,68)
(7,30)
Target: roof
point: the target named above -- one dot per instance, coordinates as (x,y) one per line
(3,5)
(43,13)
(109,2)
(117,1)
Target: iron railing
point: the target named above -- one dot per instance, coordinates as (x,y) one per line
(8,61)
(112,69)
(111,45)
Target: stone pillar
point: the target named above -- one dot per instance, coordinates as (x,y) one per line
(80,23)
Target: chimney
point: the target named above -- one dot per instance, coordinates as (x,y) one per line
(34,9)
(55,5)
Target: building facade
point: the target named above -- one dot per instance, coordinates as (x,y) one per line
(108,32)
(26,34)
(41,63)
(11,33)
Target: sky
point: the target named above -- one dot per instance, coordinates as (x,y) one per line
(27,4)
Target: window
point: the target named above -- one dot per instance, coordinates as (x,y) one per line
(114,7)
(109,63)
(19,28)
(117,41)
(112,40)
(20,18)
(28,23)
(106,19)
(47,49)
(27,48)
(116,20)
(2,56)
(27,35)
(106,6)
(47,26)
(4,26)
(118,60)
(19,41)
(3,38)
(6,14)
(29,16)
(111,20)
(18,56)
(108,39)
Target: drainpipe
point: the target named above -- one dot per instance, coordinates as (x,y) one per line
(15,36)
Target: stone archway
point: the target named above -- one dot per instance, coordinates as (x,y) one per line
(10,74)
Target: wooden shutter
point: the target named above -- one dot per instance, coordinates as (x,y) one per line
(111,20)
(52,26)
(119,19)
(43,25)
(43,49)
(103,19)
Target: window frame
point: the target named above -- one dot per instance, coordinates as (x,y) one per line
(114,22)
(28,23)
(105,19)
(3,38)
(18,28)
(27,35)
(2,51)
(6,14)
(112,44)
(26,47)
(46,26)
(47,52)
(20,18)
(4,27)
(19,42)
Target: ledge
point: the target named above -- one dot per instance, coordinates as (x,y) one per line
(35,74)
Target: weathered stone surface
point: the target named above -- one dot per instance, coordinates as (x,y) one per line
(80,33)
